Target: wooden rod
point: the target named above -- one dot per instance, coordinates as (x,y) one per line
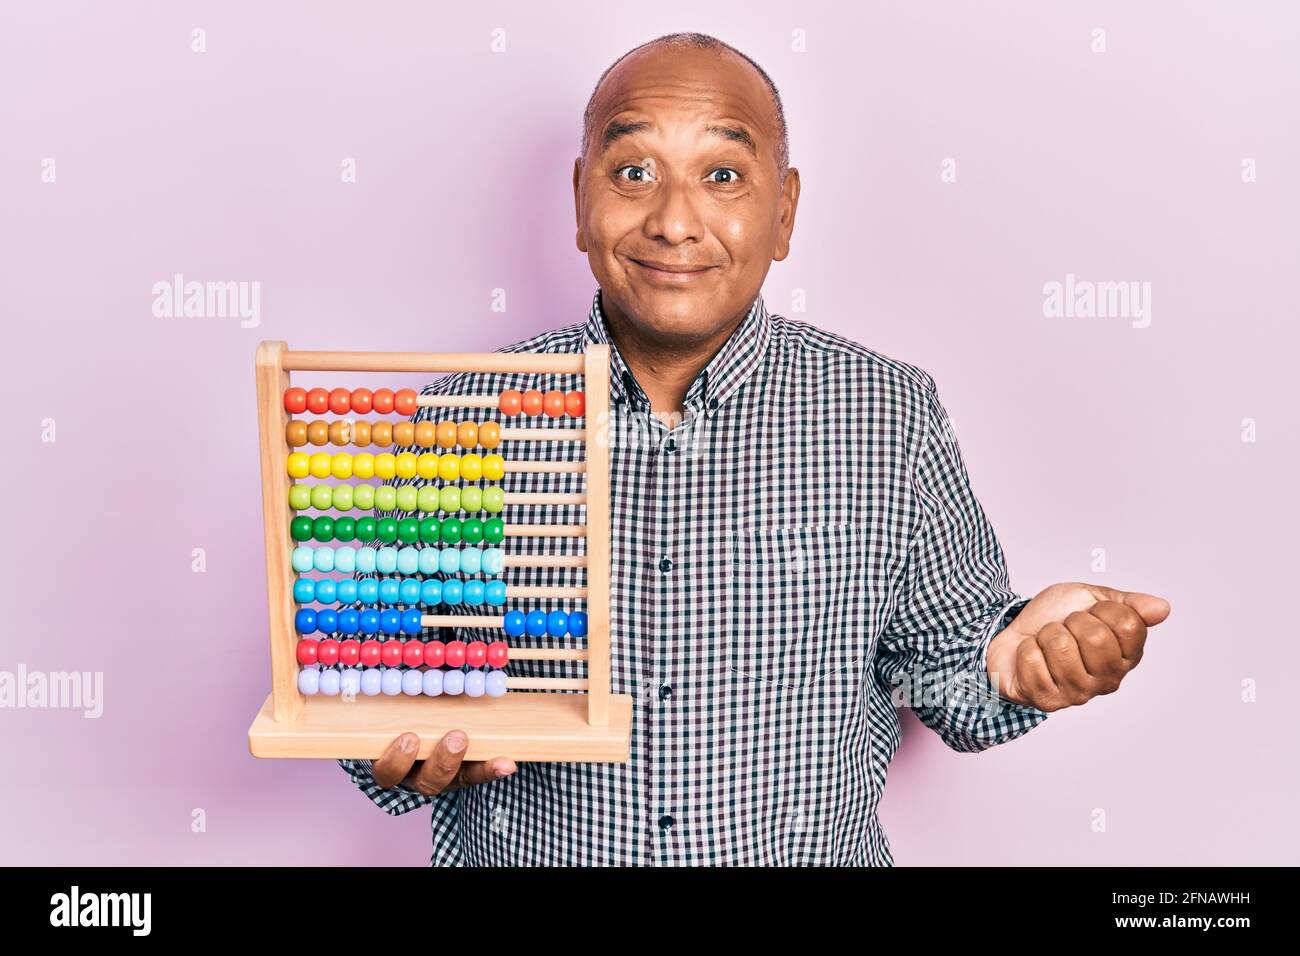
(463,620)
(547,593)
(543,434)
(546,683)
(596,373)
(545,560)
(457,401)
(545,530)
(576,467)
(547,654)
(544,498)
(559,363)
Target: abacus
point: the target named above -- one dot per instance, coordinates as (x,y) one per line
(347,680)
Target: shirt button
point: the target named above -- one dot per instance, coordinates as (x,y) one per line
(665,565)
(665,691)
(665,822)
(670,445)
(713,404)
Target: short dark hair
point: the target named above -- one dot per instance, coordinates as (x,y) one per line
(697,41)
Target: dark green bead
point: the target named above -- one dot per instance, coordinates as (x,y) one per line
(408,531)
(494,530)
(345,529)
(450,531)
(471,531)
(322,529)
(386,529)
(429,530)
(300,528)
(366,529)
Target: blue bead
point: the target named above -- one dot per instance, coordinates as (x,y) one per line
(495,684)
(369,621)
(346,591)
(431,592)
(349,621)
(309,680)
(557,624)
(409,592)
(473,592)
(388,589)
(471,560)
(301,559)
(494,561)
(578,623)
(366,560)
(327,620)
(408,560)
(390,620)
(304,590)
(449,561)
(433,682)
(304,622)
(536,623)
(453,682)
(474,684)
(451,592)
(411,621)
(514,623)
(391,682)
(322,559)
(495,593)
(325,591)
(345,560)
(412,683)
(428,561)
(368,591)
(329,683)
(386,560)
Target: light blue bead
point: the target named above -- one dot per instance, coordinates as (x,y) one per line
(474,684)
(451,592)
(366,560)
(453,682)
(309,680)
(370,680)
(391,682)
(301,559)
(428,561)
(471,560)
(431,592)
(432,682)
(495,593)
(386,560)
(388,589)
(494,561)
(329,683)
(408,560)
(473,593)
(449,561)
(409,592)
(496,683)
(412,683)
(368,591)
(345,559)
(349,682)
(325,588)
(346,591)
(323,559)
(304,590)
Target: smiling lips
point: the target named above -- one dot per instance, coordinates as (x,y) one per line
(671,273)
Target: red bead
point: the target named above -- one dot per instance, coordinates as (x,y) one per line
(412,653)
(498,653)
(370,653)
(349,652)
(363,400)
(307,649)
(476,654)
(510,402)
(404,402)
(295,400)
(532,402)
(318,401)
(553,404)
(455,653)
(435,653)
(340,401)
(391,653)
(328,653)
(575,404)
(382,400)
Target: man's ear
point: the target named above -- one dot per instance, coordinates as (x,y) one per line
(577,203)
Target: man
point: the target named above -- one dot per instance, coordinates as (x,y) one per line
(796,548)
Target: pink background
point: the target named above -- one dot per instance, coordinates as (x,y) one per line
(1078,433)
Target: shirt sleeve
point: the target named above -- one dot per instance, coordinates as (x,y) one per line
(394,801)
(953,600)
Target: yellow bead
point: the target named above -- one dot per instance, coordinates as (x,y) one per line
(449,467)
(406,465)
(385,465)
(320,464)
(363,465)
(471,467)
(494,467)
(427,466)
(299,464)
(341,466)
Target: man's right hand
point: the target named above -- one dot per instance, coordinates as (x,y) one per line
(443,770)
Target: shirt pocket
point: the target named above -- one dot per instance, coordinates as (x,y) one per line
(795,603)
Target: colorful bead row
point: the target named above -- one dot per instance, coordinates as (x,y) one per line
(368,560)
(390,621)
(372,681)
(341,401)
(387,498)
(532,402)
(429,530)
(385,591)
(425,434)
(428,593)
(396,653)
(386,465)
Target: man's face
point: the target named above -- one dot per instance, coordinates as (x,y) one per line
(679,216)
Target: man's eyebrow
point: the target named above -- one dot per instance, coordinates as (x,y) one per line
(737,134)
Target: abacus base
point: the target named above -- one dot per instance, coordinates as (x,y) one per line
(520,725)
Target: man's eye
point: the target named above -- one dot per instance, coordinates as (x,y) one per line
(732,176)
(645,174)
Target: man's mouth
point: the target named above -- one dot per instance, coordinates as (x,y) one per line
(672,272)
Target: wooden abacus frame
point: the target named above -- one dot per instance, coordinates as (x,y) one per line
(554,726)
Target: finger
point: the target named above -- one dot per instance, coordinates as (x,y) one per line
(1153,610)
(396,761)
(1064,662)
(1127,626)
(485,771)
(438,771)
(1034,680)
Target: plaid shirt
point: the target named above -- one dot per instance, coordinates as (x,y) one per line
(796,560)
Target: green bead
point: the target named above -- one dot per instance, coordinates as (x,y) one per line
(450,531)
(408,531)
(322,497)
(385,497)
(429,529)
(363,497)
(471,532)
(494,531)
(345,529)
(342,497)
(366,528)
(449,498)
(406,497)
(300,497)
(471,499)
(386,530)
(300,528)
(427,499)
(322,529)
(494,499)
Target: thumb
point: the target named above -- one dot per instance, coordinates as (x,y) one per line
(1152,608)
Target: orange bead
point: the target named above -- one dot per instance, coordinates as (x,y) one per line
(295,400)
(361,434)
(489,434)
(340,433)
(404,402)
(404,433)
(295,433)
(318,401)
(340,401)
(575,404)
(532,402)
(510,402)
(553,404)
(426,434)
(363,399)
(381,433)
(383,400)
(467,434)
(318,432)
(446,434)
